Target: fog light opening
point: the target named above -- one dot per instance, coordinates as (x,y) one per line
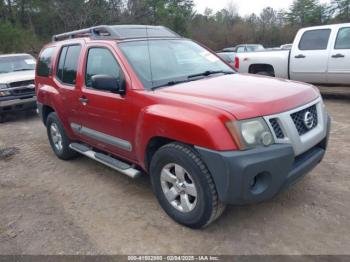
(260,183)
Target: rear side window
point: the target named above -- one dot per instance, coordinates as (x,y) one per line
(61,60)
(343,39)
(241,49)
(44,66)
(101,61)
(315,40)
(68,64)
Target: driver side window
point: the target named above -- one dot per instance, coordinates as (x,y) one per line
(101,61)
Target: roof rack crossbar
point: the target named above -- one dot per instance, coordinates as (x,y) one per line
(96,31)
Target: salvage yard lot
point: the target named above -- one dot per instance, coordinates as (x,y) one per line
(48,206)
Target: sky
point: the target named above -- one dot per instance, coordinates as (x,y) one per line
(244,7)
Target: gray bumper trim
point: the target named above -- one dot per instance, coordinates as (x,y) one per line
(15,102)
(243,177)
(15,105)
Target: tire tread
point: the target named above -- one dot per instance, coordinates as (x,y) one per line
(218,206)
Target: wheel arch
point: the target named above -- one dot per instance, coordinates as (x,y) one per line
(256,68)
(45,112)
(178,124)
(153,145)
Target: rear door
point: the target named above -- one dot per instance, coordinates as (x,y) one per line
(339,59)
(309,58)
(66,79)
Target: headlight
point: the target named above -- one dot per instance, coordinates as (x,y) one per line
(250,133)
(4,93)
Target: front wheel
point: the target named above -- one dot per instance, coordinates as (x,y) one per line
(184,186)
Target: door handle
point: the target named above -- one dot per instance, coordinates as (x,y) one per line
(83,100)
(338,56)
(300,56)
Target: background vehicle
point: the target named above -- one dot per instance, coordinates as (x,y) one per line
(143,99)
(228,57)
(17,72)
(244,48)
(319,55)
(228,54)
(286,46)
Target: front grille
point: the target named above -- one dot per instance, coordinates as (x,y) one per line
(25,90)
(277,128)
(299,120)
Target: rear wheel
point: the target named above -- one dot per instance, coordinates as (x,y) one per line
(265,73)
(184,186)
(2,118)
(59,141)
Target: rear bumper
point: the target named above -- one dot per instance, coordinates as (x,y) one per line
(244,177)
(17,104)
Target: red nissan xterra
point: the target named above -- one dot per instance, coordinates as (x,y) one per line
(143,99)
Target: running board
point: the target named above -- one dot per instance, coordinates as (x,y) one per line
(111,162)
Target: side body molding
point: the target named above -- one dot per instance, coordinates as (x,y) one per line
(102,137)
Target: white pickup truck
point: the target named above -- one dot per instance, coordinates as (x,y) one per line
(320,55)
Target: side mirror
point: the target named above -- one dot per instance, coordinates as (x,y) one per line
(108,83)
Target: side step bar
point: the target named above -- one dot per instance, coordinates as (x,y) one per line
(111,162)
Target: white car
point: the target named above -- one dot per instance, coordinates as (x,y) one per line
(319,55)
(17,89)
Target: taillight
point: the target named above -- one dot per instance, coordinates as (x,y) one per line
(236,62)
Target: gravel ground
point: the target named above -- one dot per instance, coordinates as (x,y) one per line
(48,206)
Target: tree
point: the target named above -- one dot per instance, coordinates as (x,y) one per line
(304,13)
(342,10)
(25,25)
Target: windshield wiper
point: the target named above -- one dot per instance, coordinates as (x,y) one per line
(189,78)
(210,72)
(171,83)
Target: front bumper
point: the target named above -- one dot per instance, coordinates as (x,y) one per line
(244,177)
(13,104)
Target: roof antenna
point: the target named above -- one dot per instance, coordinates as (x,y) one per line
(149,55)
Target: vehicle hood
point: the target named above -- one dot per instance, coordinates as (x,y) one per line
(17,76)
(244,96)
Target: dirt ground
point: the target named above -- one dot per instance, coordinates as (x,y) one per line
(48,206)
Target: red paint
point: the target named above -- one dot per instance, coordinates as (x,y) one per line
(193,113)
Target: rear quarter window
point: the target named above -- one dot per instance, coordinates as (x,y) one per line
(315,40)
(44,67)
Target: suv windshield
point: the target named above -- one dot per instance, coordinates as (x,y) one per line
(16,63)
(166,62)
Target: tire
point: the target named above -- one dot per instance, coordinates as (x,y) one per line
(59,142)
(265,73)
(195,208)
(2,118)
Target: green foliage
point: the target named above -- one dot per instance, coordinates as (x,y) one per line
(15,39)
(26,24)
(342,10)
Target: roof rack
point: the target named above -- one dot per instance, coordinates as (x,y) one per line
(119,32)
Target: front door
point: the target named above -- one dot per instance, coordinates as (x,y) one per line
(104,115)
(339,60)
(309,60)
